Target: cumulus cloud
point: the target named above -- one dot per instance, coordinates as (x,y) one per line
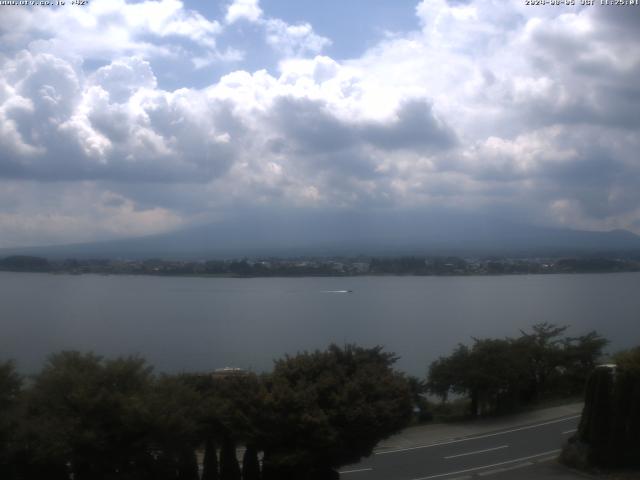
(243,10)
(107,29)
(487,104)
(114,124)
(289,40)
(294,40)
(121,78)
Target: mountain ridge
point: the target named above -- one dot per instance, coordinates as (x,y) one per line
(300,234)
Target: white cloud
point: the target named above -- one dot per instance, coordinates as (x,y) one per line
(114,124)
(123,77)
(54,213)
(243,10)
(289,40)
(107,29)
(294,40)
(488,103)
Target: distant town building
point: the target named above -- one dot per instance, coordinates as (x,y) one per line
(229,372)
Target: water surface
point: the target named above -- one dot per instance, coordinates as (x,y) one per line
(180,323)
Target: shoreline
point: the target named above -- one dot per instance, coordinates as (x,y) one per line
(327,275)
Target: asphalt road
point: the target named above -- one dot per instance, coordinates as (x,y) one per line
(481,455)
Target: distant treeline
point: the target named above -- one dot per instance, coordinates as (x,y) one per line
(24,263)
(272,267)
(88,418)
(497,266)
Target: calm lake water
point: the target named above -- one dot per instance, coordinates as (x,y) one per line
(204,323)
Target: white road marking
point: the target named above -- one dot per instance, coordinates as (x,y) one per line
(521,459)
(504,469)
(449,442)
(356,471)
(546,459)
(477,451)
(570,431)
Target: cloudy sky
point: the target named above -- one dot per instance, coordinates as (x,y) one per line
(126,118)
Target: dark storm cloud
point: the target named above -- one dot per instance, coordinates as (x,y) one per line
(622,23)
(593,71)
(310,127)
(415,128)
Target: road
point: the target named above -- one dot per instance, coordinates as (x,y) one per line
(481,455)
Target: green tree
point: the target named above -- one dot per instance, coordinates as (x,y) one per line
(498,375)
(88,413)
(493,376)
(330,408)
(10,390)
(447,374)
(229,467)
(418,389)
(250,464)
(542,350)
(231,406)
(187,464)
(175,428)
(210,462)
(628,360)
(25,263)
(580,355)
(489,373)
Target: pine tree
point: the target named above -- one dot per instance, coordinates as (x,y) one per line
(187,465)
(210,463)
(250,464)
(229,468)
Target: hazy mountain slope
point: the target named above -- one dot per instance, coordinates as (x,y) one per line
(351,234)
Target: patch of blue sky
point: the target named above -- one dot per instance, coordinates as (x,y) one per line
(353,25)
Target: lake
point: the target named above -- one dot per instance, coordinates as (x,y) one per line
(180,323)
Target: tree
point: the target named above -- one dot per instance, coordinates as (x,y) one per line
(10,389)
(87,413)
(500,374)
(330,408)
(446,374)
(175,412)
(210,462)
(489,373)
(628,360)
(418,389)
(229,467)
(231,406)
(25,263)
(250,464)
(543,353)
(493,376)
(187,464)
(580,355)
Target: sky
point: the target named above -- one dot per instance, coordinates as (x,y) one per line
(122,118)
